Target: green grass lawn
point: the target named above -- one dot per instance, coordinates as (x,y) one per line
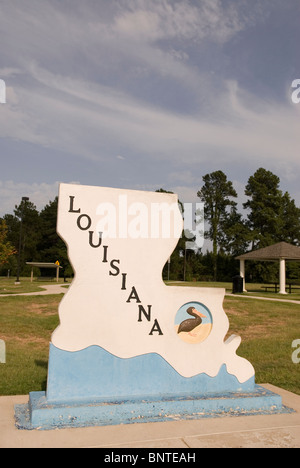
(26,324)
(267,330)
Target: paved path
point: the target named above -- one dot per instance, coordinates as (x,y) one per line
(263,298)
(48,289)
(276,431)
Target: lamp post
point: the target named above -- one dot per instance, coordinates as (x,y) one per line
(24,199)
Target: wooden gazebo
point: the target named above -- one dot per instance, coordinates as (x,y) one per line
(281,252)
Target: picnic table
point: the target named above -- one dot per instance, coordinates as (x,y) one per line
(289,286)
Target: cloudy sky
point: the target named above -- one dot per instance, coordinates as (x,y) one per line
(144,94)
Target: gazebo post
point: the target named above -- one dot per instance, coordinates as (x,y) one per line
(242,273)
(282,276)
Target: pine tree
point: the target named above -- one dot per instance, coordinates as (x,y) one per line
(216,194)
(272,216)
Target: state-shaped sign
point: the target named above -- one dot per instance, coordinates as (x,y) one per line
(118,243)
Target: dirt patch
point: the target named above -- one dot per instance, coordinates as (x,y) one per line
(23,339)
(230,311)
(41,309)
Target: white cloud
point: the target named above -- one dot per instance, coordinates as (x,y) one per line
(152,20)
(11,194)
(130,36)
(75,78)
(79,117)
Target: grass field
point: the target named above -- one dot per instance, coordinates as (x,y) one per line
(267,330)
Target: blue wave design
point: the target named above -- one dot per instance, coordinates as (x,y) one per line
(95,374)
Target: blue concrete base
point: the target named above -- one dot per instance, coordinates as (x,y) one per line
(93,387)
(40,414)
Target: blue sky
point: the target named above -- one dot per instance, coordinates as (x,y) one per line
(144,94)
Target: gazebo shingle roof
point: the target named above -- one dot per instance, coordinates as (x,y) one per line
(274,252)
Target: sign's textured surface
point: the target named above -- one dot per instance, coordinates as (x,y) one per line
(119,241)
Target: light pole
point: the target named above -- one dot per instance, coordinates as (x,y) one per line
(24,199)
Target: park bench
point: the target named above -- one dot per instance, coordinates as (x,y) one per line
(290,286)
(271,286)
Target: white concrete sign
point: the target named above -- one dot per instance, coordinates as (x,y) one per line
(118,243)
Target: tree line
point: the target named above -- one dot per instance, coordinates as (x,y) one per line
(39,240)
(269,216)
